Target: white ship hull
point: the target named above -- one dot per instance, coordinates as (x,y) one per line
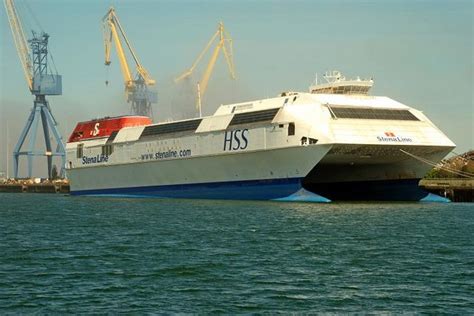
(303,146)
(259,175)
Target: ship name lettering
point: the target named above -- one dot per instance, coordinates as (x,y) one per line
(236,139)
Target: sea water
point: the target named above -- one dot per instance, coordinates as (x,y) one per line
(62,254)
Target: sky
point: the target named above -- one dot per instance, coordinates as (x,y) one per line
(418,52)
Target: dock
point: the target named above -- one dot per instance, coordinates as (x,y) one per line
(32,187)
(455,189)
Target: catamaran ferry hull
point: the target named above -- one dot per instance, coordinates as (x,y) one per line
(261,175)
(352,172)
(316,146)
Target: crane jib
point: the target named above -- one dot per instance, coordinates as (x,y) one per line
(137,90)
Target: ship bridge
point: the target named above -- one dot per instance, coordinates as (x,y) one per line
(336,83)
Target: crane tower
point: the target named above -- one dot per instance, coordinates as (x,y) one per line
(224,43)
(137,90)
(34,59)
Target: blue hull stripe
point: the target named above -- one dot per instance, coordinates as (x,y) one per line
(236,190)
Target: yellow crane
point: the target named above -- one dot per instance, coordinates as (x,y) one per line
(223,38)
(137,90)
(20,42)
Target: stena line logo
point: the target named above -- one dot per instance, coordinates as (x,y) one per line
(94,159)
(391,137)
(95,132)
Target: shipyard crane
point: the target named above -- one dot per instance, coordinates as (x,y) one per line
(33,54)
(137,90)
(223,38)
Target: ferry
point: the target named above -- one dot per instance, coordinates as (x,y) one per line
(334,142)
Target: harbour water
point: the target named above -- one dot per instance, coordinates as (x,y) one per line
(81,255)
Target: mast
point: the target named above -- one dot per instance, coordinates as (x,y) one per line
(7,150)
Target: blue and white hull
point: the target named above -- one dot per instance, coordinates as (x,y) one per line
(235,190)
(264,175)
(297,147)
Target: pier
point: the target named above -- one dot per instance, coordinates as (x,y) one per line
(455,189)
(30,186)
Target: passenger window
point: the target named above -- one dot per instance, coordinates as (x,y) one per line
(291,129)
(107,150)
(80,151)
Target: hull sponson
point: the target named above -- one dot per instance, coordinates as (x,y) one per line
(387,175)
(241,190)
(388,190)
(259,175)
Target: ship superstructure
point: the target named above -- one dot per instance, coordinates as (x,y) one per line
(307,146)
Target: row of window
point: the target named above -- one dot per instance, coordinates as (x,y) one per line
(372,114)
(253,117)
(356,89)
(192,125)
(152,130)
(108,148)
